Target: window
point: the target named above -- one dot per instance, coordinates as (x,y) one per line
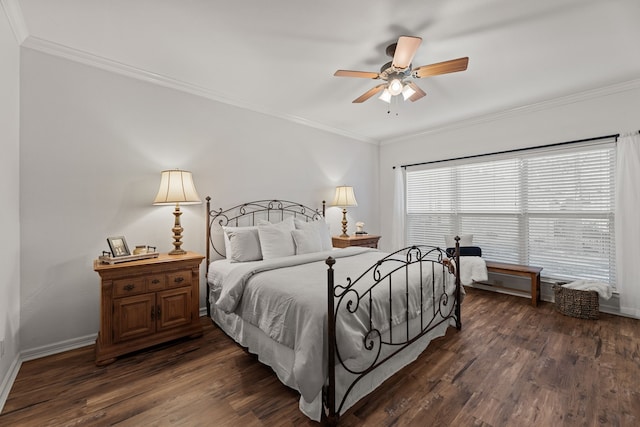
(552,208)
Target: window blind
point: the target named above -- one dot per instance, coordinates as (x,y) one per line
(549,208)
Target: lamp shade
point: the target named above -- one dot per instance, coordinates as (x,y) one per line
(407,92)
(176,186)
(385,96)
(344,197)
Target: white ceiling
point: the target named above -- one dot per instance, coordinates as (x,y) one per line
(278,57)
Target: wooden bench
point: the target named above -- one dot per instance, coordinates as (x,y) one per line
(532,273)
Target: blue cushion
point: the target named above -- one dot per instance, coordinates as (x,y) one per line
(465,251)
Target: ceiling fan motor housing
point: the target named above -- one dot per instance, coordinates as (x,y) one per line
(391,49)
(389,72)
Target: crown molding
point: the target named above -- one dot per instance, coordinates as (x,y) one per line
(14,14)
(110,65)
(525,109)
(16,20)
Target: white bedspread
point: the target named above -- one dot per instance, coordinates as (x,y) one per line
(262,293)
(473,269)
(291,312)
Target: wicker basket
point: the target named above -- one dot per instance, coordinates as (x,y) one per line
(577,303)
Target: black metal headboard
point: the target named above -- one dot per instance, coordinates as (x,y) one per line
(248,214)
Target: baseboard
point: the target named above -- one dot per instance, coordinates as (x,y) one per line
(71,344)
(59,347)
(8,380)
(611,306)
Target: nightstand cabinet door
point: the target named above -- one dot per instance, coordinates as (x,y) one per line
(133,317)
(173,308)
(147,302)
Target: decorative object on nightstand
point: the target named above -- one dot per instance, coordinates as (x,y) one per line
(118,246)
(119,252)
(140,249)
(363,240)
(106,257)
(176,187)
(360,228)
(344,199)
(147,302)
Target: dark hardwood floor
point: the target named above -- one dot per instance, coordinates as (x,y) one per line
(511,365)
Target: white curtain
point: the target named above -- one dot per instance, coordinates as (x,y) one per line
(397,229)
(627,223)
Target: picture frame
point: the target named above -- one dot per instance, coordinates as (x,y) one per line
(118,246)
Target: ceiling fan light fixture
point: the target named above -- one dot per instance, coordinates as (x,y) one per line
(407,92)
(385,96)
(395,87)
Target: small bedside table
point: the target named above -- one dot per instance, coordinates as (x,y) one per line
(147,302)
(365,240)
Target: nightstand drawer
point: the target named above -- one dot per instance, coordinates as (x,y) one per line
(368,243)
(130,286)
(365,240)
(179,278)
(157,282)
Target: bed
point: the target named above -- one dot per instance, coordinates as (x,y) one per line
(333,324)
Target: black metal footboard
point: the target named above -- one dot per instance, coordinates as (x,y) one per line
(413,278)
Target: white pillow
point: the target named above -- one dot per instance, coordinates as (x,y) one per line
(465,240)
(306,241)
(285,224)
(275,239)
(321,227)
(227,245)
(244,244)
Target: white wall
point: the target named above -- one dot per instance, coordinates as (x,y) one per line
(9,192)
(92,148)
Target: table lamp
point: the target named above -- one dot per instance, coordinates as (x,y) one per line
(176,187)
(344,199)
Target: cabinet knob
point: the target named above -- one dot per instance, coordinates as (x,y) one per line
(179,279)
(155,281)
(129,287)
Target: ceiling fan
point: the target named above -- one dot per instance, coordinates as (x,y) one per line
(398,72)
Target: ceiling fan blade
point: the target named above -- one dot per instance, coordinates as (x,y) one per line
(445,67)
(405,51)
(368,94)
(362,74)
(419,93)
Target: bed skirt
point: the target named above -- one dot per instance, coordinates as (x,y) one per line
(281,358)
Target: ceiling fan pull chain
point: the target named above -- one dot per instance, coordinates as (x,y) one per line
(394,105)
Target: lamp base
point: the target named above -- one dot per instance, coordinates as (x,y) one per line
(344,223)
(177,233)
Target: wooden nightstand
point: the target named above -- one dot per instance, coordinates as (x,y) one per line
(366,240)
(147,302)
